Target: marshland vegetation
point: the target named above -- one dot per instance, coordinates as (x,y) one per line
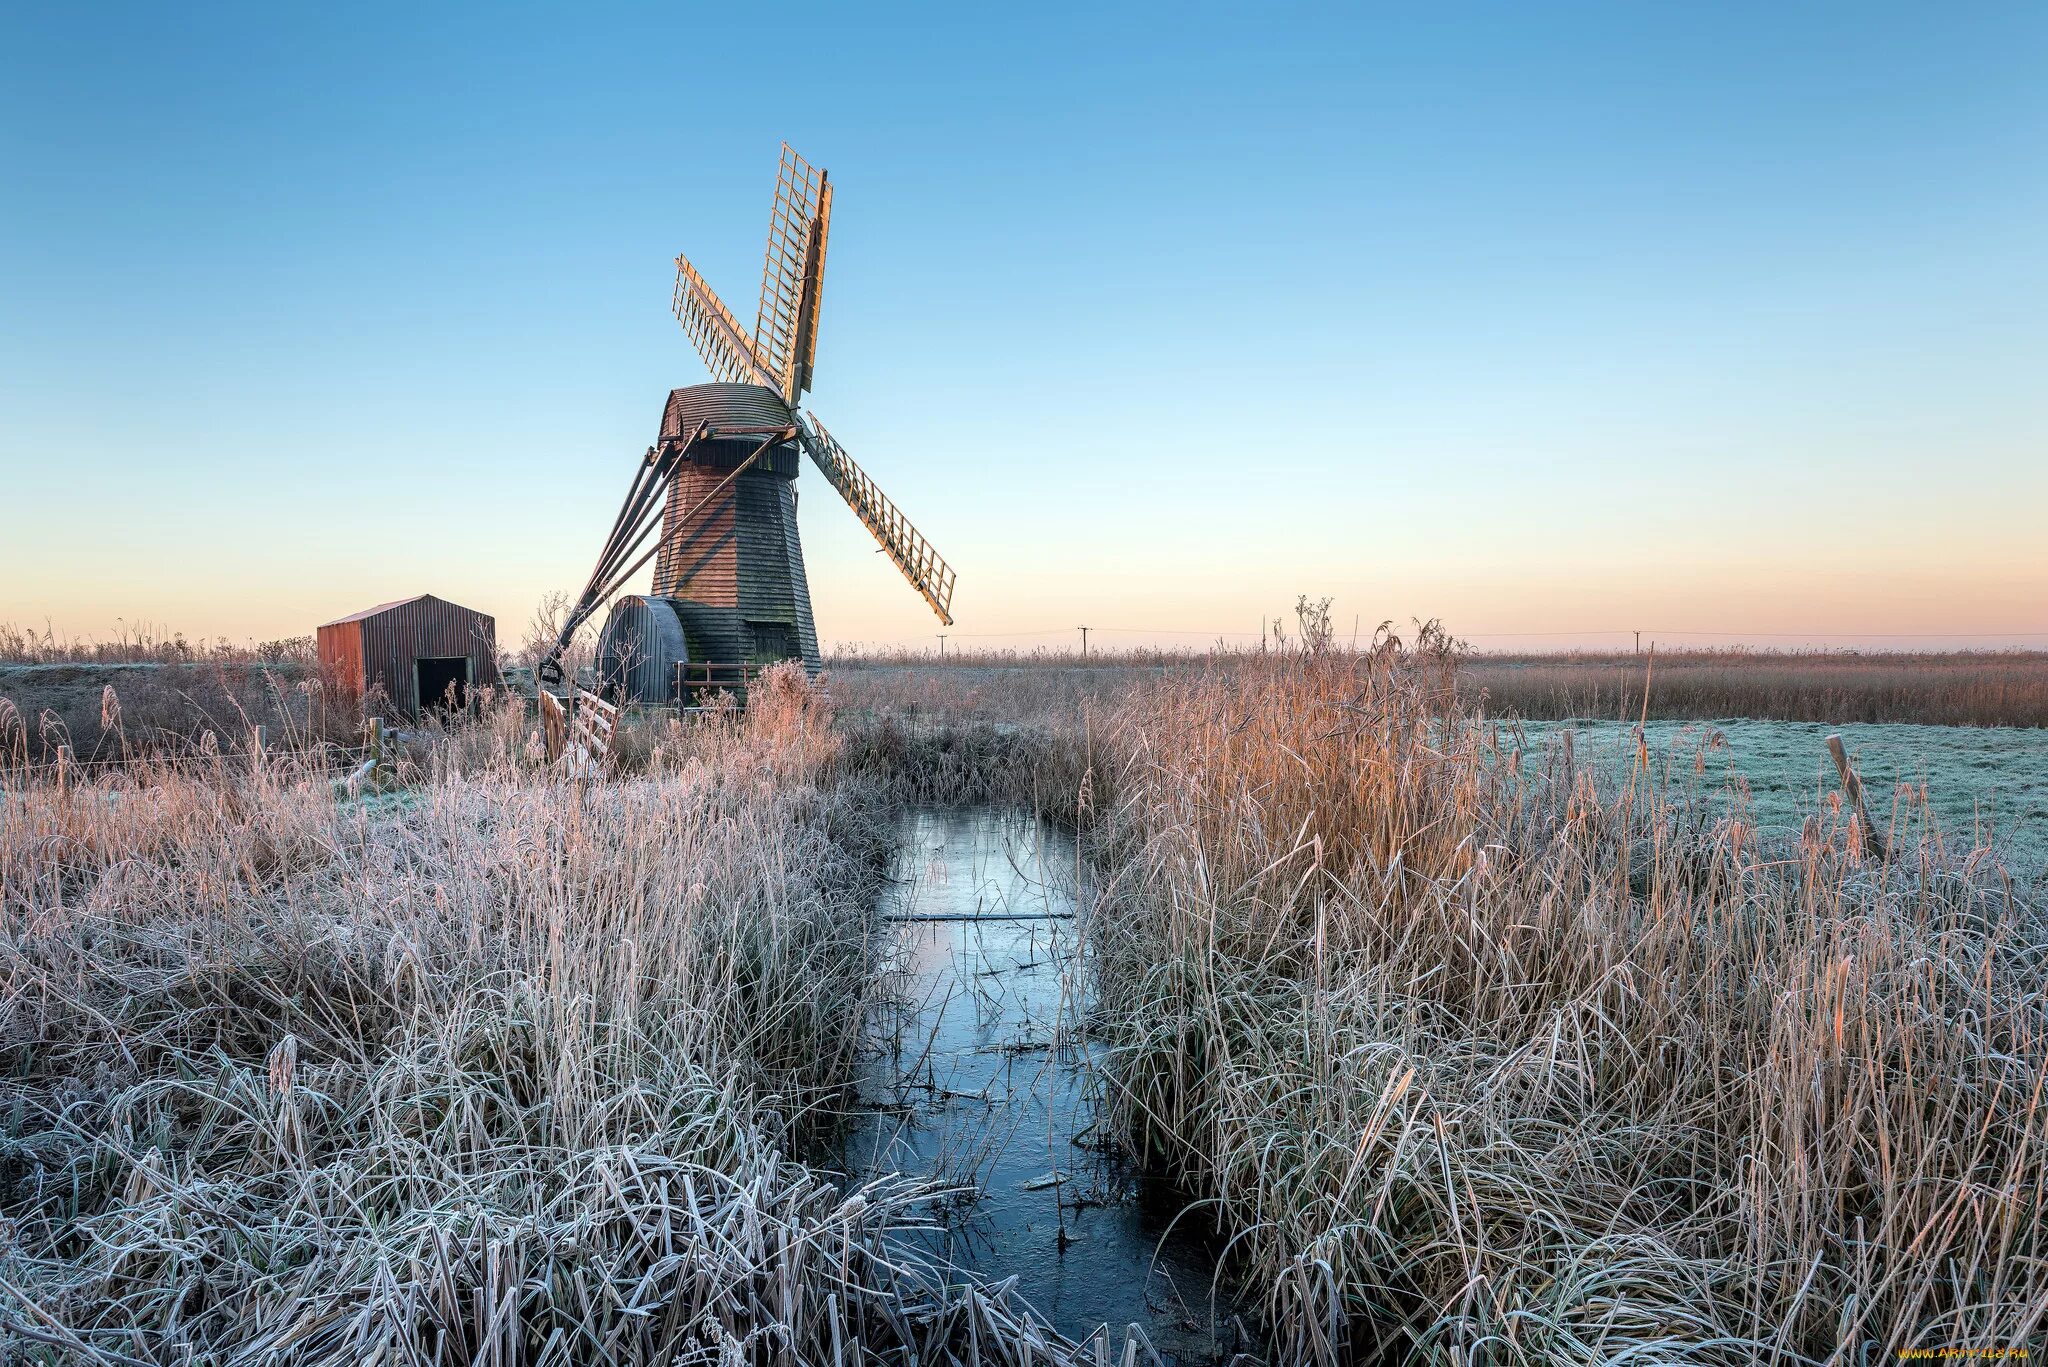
(1489,1053)
(1473,1049)
(1838,687)
(506,1070)
(173,689)
(1485,1057)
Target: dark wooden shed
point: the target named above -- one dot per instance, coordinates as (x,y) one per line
(412,651)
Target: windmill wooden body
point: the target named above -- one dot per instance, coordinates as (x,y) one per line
(716,493)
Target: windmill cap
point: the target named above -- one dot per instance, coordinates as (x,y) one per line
(729,405)
(726,405)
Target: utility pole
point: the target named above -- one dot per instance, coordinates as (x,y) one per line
(1084,641)
(1639,643)
(942,645)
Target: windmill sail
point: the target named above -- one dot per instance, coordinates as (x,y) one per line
(727,352)
(921,565)
(792,274)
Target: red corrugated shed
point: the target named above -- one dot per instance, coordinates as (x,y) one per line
(381,648)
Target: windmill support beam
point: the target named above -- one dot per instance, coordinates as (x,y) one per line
(774,439)
(639,517)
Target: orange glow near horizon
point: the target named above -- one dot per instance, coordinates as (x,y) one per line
(1537,608)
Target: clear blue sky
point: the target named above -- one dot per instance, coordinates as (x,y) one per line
(1542,319)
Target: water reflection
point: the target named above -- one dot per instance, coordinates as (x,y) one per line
(981,1077)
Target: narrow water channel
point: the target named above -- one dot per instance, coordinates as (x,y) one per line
(981,1077)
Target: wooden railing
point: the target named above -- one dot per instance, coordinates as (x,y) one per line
(699,681)
(580,734)
(593,726)
(554,725)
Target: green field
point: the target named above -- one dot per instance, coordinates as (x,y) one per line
(1982,785)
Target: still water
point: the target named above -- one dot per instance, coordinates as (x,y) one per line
(981,1077)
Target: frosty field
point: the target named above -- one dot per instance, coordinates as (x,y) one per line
(1983,785)
(1448,1054)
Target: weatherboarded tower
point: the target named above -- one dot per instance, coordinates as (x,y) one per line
(730,558)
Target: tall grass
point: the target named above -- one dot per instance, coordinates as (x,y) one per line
(1479,1056)
(144,643)
(2008,688)
(164,710)
(498,1069)
(1483,1061)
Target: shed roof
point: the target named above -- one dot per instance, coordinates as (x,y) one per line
(368,613)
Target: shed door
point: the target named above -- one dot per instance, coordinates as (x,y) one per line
(443,682)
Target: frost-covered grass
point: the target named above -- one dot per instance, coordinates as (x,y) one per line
(506,1074)
(1974,787)
(1486,1061)
(1478,1060)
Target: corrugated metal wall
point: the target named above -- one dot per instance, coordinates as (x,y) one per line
(426,627)
(639,651)
(340,647)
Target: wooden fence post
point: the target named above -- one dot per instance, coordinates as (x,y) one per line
(1852,788)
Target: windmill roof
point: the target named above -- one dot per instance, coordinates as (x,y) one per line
(735,405)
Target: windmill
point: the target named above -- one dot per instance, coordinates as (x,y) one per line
(716,494)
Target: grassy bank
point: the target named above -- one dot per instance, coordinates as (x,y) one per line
(1482,1062)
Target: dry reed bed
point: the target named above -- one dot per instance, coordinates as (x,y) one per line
(499,1072)
(1986,688)
(1976,689)
(110,715)
(1482,1063)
